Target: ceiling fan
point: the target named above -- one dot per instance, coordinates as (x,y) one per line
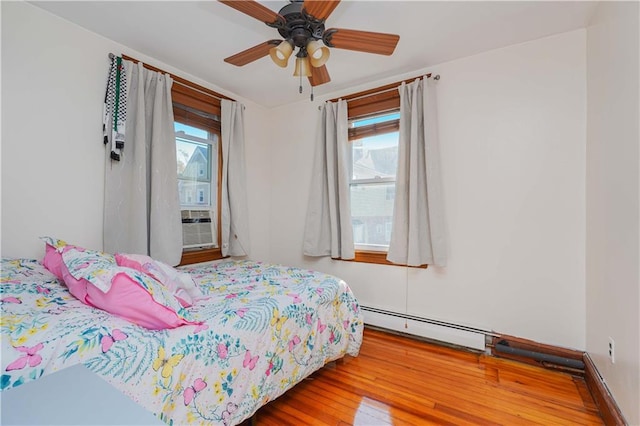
(301,24)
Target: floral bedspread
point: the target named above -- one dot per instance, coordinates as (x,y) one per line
(265,328)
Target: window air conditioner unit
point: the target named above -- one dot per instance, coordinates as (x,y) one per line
(198,230)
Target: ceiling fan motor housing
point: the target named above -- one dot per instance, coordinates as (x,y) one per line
(299,27)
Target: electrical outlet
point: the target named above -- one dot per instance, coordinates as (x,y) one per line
(612,350)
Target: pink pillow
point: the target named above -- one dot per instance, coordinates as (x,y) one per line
(78,288)
(123,291)
(96,280)
(53,255)
(53,261)
(54,249)
(128,300)
(180,284)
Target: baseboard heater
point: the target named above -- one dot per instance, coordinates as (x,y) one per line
(443,331)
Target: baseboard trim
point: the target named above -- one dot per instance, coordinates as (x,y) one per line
(607,406)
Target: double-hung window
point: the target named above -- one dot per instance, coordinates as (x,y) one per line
(199,165)
(374,126)
(374,159)
(197,146)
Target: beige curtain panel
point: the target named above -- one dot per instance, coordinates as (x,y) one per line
(418,234)
(235,219)
(142,207)
(328,230)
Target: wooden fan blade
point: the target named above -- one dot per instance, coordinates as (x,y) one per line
(254,9)
(319,76)
(320,9)
(361,41)
(252,53)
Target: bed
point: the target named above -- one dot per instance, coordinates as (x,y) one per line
(261,329)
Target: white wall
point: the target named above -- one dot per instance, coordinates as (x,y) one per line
(512,134)
(613,200)
(51,78)
(53,82)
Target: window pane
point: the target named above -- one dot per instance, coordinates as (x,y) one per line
(193,159)
(375,157)
(372,212)
(376,119)
(193,193)
(195,149)
(190,131)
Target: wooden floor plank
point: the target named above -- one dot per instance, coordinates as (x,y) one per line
(403,381)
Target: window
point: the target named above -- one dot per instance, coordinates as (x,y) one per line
(374,124)
(197,111)
(198,160)
(374,158)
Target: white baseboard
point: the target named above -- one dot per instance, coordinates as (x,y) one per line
(445,334)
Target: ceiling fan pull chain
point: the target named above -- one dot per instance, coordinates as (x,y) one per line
(311,93)
(300,89)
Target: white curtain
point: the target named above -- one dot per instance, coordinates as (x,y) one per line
(328,229)
(235,219)
(418,234)
(142,207)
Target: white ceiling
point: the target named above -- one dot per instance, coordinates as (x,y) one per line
(196,36)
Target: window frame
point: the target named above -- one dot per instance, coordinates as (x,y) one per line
(207,101)
(193,118)
(361,132)
(376,101)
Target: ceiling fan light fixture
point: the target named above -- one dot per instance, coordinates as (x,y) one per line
(301,24)
(318,53)
(280,54)
(303,68)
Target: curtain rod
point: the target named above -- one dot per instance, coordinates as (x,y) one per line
(436,77)
(178,80)
(382,89)
(197,90)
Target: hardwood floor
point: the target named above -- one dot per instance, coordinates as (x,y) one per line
(401,381)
